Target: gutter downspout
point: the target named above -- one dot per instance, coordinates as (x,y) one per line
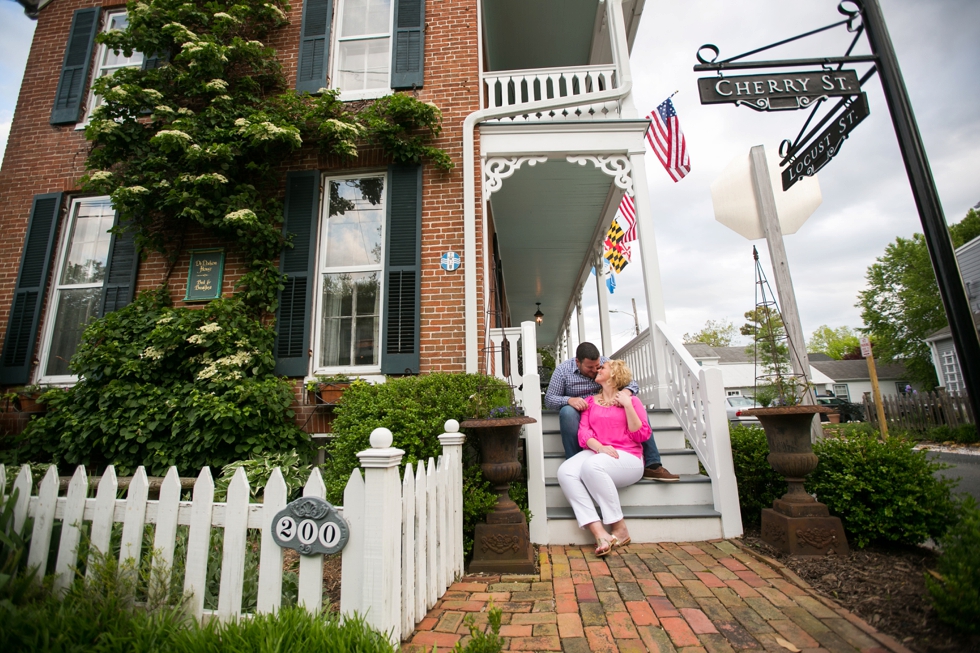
(469,183)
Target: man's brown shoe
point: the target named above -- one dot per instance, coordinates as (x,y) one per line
(660,474)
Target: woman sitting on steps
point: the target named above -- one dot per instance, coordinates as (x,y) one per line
(611,430)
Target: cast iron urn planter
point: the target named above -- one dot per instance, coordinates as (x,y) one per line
(503,543)
(797,523)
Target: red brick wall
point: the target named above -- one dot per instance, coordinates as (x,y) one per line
(41,158)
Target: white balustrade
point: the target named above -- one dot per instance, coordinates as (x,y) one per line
(405,547)
(513,88)
(696,396)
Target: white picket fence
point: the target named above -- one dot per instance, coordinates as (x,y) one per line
(405,547)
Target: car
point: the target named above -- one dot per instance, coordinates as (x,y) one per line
(849,412)
(735,405)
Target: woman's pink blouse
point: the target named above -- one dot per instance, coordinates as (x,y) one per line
(608,425)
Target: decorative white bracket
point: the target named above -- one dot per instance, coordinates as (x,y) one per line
(498,168)
(617,166)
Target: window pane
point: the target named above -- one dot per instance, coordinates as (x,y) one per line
(88,249)
(363,65)
(116,22)
(349,330)
(366,17)
(355,222)
(75,309)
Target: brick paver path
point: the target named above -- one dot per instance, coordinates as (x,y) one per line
(700,597)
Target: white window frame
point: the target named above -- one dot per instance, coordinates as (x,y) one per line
(320,270)
(99,69)
(841,389)
(366,94)
(951,371)
(51,310)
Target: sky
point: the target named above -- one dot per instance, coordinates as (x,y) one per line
(707,269)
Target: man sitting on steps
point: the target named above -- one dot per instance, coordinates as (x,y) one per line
(575,379)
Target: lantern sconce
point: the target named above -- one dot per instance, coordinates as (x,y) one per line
(538,315)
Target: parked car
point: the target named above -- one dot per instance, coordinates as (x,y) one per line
(849,412)
(734,407)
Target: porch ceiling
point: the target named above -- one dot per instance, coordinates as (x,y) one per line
(540,34)
(546,219)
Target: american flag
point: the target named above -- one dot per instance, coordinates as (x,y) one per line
(627,218)
(667,140)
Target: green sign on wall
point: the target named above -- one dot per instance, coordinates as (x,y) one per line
(205,274)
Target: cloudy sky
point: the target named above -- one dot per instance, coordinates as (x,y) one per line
(707,269)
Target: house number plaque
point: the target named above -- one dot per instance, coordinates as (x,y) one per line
(311,526)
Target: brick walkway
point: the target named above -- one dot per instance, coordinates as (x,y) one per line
(699,597)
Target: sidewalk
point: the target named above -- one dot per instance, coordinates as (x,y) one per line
(701,597)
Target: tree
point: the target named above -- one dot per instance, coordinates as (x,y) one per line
(719,333)
(901,307)
(765,327)
(839,343)
(966,229)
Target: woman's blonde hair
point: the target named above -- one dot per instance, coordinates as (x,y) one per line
(620,373)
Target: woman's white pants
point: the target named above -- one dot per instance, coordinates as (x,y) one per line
(588,475)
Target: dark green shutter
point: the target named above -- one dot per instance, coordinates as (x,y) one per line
(293,315)
(32,279)
(314,46)
(74,68)
(408,46)
(120,274)
(402,271)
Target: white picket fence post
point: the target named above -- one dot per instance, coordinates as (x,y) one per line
(405,544)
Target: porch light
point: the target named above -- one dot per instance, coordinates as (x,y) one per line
(538,315)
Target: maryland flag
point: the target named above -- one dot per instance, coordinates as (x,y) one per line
(614,248)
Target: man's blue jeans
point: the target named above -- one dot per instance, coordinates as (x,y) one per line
(568,419)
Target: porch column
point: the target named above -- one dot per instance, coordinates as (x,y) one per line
(568,338)
(603,292)
(581,318)
(652,286)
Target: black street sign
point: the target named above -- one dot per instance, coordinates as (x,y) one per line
(776,91)
(818,152)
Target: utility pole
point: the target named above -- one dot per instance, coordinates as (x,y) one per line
(926,196)
(636,319)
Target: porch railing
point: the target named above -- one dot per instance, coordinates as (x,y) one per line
(512,88)
(696,396)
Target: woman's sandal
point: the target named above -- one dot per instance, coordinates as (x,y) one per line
(602,552)
(619,544)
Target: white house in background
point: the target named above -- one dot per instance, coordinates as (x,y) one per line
(851,378)
(944,357)
(738,368)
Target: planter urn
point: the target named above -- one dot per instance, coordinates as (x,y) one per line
(503,543)
(797,523)
(330,393)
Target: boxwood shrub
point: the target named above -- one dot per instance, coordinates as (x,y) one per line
(415,410)
(883,491)
(956,593)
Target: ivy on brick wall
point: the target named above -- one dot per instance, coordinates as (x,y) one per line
(198,141)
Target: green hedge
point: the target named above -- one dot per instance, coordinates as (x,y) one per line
(956,593)
(415,410)
(883,491)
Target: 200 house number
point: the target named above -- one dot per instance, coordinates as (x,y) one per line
(307,531)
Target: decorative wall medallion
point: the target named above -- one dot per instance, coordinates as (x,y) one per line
(499,543)
(498,168)
(818,538)
(617,166)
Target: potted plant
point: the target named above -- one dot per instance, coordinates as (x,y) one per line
(503,543)
(329,389)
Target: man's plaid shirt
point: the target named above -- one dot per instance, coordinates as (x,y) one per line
(568,382)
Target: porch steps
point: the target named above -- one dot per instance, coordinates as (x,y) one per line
(654,511)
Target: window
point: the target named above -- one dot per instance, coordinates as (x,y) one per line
(840,390)
(951,371)
(903,387)
(107,61)
(363,48)
(350,265)
(77,289)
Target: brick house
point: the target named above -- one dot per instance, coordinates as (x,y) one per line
(539,121)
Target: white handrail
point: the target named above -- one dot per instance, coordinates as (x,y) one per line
(515,88)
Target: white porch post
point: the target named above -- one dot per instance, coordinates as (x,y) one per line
(652,286)
(568,338)
(604,328)
(581,318)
